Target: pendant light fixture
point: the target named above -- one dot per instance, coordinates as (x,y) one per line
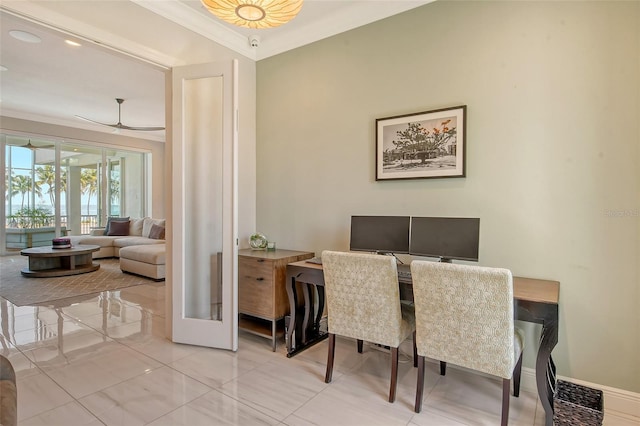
(255,14)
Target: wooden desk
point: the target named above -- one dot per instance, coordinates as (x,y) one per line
(262,298)
(535,301)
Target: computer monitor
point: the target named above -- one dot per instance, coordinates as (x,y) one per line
(380,234)
(445,237)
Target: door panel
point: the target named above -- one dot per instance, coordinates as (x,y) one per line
(204,200)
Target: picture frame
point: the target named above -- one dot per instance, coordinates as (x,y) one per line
(422,145)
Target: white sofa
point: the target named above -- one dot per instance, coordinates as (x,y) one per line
(144,255)
(110,245)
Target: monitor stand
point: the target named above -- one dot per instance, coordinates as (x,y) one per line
(445,260)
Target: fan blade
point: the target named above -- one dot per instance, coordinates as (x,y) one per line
(141,129)
(32,147)
(96,122)
(119,124)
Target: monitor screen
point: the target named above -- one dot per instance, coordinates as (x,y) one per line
(445,237)
(382,234)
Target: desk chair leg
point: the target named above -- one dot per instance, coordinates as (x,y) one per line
(420,384)
(517,373)
(359,346)
(443,368)
(415,351)
(394,374)
(506,388)
(330,355)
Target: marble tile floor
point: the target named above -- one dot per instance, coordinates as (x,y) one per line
(104,360)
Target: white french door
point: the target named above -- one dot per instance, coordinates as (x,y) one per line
(204,205)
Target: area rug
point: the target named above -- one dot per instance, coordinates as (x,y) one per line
(23,291)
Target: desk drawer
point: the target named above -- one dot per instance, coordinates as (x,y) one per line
(255,287)
(255,268)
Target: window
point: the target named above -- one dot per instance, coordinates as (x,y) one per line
(92,184)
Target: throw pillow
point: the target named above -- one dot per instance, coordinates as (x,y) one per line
(119,228)
(148,223)
(135,227)
(157,232)
(114,219)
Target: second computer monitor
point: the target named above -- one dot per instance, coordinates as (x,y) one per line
(445,237)
(380,234)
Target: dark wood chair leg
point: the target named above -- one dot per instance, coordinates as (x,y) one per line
(415,351)
(506,388)
(394,374)
(443,368)
(330,354)
(420,384)
(517,373)
(359,346)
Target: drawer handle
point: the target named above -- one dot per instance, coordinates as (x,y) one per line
(260,279)
(260,260)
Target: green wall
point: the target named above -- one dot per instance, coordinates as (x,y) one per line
(553,157)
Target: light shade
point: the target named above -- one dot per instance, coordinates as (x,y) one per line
(256,14)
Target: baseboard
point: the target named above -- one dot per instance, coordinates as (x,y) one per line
(617,402)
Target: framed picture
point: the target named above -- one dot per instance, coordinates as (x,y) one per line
(428,144)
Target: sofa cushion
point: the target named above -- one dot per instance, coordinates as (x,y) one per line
(135,226)
(99,240)
(148,223)
(135,241)
(153,254)
(118,228)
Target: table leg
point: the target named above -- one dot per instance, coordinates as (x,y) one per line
(308,309)
(320,308)
(293,302)
(545,369)
(273,334)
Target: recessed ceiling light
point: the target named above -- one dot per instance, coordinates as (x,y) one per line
(72,43)
(25,36)
(3,68)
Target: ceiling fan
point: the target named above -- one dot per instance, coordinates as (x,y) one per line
(32,147)
(119,124)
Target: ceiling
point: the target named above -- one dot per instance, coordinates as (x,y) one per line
(52,82)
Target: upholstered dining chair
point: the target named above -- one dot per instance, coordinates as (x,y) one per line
(465,316)
(363,303)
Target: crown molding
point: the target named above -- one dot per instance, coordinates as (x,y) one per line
(189,18)
(355,15)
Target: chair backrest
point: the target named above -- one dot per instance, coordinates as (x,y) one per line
(464,315)
(363,300)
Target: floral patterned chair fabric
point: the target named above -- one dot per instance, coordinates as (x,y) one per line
(363,303)
(465,316)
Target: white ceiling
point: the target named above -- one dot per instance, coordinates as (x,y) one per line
(52,82)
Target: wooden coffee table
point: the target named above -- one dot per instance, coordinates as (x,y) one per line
(50,262)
